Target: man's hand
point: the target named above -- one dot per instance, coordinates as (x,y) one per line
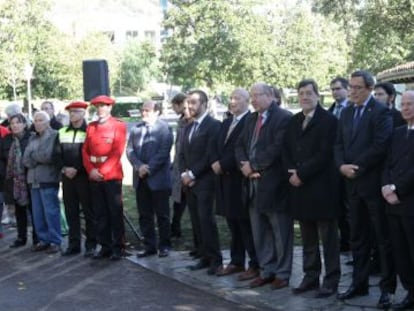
(392,199)
(245,168)
(294,179)
(349,170)
(187,180)
(143,171)
(70,172)
(216,167)
(95,175)
(255,175)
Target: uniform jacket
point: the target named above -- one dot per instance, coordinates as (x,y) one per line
(71,141)
(272,187)
(367,148)
(229,184)
(310,152)
(154,151)
(198,155)
(399,170)
(105,139)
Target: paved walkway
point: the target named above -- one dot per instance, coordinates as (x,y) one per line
(175,266)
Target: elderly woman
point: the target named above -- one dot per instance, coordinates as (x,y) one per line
(42,158)
(16,191)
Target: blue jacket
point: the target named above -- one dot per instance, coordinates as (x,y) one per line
(154,150)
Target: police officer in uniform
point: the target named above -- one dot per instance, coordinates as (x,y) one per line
(75,182)
(101,153)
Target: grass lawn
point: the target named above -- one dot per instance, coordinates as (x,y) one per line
(185,243)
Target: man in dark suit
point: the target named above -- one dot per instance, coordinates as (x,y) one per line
(196,157)
(313,191)
(398,191)
(229,187)
(364,134)
(148,150)
(259,152)
(339,89)
(385,93)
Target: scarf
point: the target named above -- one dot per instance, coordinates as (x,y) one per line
(16,172)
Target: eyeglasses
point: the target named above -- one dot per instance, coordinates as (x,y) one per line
(356,87)
(336,89)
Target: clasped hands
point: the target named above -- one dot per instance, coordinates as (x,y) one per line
(389,195)
(247,170)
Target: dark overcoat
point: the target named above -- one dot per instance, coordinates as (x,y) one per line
(229,184)
(310,152)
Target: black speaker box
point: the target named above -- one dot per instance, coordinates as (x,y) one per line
(95,78)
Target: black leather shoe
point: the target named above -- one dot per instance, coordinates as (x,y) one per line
(407,303)
(18,243)
(325,292)
(213,269)
(102,254)
(115,257)
(385,301)
(353,292)
(71,251)
(146,253)
(305,286)
(163,253)
(89,252)
(201,264)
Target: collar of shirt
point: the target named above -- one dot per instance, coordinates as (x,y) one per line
(201,118)
(343,103)
(310,114)
(240,116)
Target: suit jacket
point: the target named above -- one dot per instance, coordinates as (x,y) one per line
(229,184)
(310,152)
(198,155)
(367,148)
(397,118)
(267,158)
(399,170)
(154,151)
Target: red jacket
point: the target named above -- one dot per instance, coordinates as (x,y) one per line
(103,148)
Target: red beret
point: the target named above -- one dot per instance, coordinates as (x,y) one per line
(102,99)
(79,104)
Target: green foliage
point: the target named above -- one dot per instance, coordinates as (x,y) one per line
(239,42)
(138,66)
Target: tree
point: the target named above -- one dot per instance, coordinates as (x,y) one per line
(138,65)
(240,42)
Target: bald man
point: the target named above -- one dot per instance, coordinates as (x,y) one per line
(229,187)
(398,192)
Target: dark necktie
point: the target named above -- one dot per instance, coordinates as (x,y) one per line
(337,110)
(357,119)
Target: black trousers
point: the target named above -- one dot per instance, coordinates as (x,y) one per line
(343,219)
(241,242)
(21,222)
(200,206)
(108,208)
(178,211)
(76,195)
(150,203)
(327,231)
(366,212)
(402,237)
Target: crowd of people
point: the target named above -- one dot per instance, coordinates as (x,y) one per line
(344,174)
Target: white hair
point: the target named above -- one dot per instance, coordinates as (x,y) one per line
(13,109)
(42,113)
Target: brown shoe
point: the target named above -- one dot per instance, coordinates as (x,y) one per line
(250,274)
(259,281)
(230,269)
(279,283)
